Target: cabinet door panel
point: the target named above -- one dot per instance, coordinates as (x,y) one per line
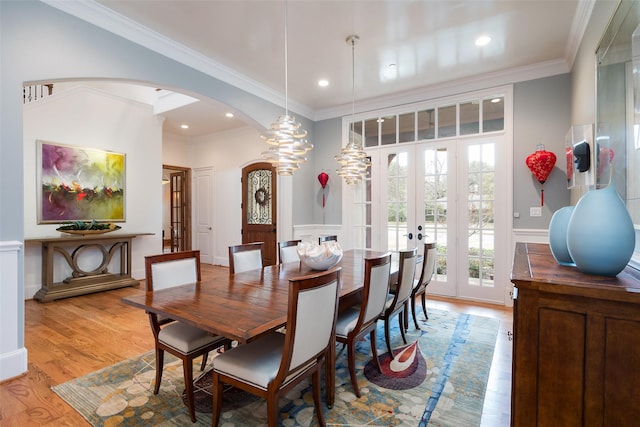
(621,372)
(561,361)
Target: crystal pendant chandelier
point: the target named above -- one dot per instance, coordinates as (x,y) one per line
(353,159)
(287,137)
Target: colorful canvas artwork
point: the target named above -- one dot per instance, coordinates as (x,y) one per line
(80,184)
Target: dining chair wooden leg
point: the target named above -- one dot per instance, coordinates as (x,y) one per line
(351,358)
(272,411)
(413,312)
(159,366)
(216,389)
(387,337)
(402,316)
(315,380)
(205,357)
(424,305)
(188,385)
(374,350)
(406,317)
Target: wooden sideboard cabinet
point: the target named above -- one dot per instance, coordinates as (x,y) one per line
(576,351)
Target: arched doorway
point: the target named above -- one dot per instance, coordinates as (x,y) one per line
(260,207)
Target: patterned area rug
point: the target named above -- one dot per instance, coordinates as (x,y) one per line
(438,379)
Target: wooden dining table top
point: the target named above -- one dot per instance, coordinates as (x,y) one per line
(247,305)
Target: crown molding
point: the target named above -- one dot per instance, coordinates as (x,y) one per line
(483,81)
(105,18)
(578,28)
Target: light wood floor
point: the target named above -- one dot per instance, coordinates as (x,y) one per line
(69,338)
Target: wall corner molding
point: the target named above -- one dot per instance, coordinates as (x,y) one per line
(13,355)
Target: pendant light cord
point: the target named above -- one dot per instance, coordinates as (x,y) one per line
(286,61)
(353,87)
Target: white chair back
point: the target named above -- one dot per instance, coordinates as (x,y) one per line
(174,273)
(406,275)
(247,260)
(314,322)
(428,266)
(289,254)
(379,289)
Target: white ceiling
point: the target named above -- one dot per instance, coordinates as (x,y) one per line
(431,43)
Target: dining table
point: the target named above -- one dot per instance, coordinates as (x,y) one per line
(247,305)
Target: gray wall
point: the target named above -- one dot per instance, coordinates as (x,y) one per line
(542,115)
(328,143)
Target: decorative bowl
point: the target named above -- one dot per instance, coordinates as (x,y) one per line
(83,228)
(320,256)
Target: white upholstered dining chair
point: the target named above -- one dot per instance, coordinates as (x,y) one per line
(329,238)
(244,257)
(398,300)
(273,364)
(288,251)
(354,323)
(183,341)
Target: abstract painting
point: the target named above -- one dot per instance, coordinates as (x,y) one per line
(79,184)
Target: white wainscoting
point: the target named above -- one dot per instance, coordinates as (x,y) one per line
(13,355)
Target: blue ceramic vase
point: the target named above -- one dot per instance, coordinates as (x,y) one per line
(558,236)
(600,233)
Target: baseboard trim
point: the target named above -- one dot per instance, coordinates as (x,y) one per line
(13,364)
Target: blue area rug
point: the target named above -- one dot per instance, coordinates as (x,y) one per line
(438,379)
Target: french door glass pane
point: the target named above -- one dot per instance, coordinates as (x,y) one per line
(493,114)
(357,130)
(434,221)
(447,121)
(481,214)
(371,133)
(427,124)
(388,125)
(470,118)
(362,211)
(397,201)
(407,127)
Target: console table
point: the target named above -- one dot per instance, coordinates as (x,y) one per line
(576,351)
(83,282)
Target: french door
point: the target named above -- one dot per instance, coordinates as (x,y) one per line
(453,193)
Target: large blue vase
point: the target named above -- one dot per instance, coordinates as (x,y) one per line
(600,233)
(558,235)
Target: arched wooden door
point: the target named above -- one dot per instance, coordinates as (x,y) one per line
(259,208)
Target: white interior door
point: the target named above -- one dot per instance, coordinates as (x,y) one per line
(203,213)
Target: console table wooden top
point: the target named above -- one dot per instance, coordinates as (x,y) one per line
(63,237)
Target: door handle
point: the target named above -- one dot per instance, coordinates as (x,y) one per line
(410,235)
(419,236)
(209,228)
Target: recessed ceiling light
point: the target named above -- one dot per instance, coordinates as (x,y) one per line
(496,100)
(483,40)
(229,115)
(323,83)
(184,126)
